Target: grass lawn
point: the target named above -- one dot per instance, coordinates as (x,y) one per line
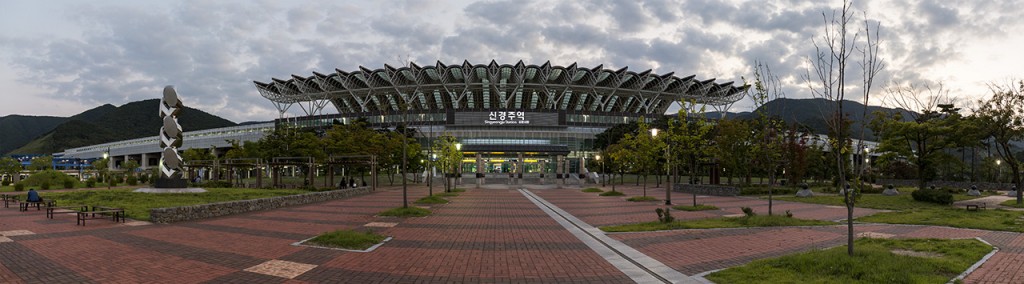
(723,222)
(995,220)
(347,239)
(873,262)
(876,201)
(1011,203)
(699,207)
(612,193)
(405,212)
(592,189)
(136,204)
(642,198)
(435,199)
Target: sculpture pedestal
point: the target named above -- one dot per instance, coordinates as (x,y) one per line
(171,183)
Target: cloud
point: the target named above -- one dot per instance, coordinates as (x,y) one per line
(212,51)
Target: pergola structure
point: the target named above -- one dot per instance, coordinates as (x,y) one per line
(493,86)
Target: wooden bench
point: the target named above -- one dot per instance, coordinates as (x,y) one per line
(39,204)
(8,199)
(116,214)
(76,208)
(975,206)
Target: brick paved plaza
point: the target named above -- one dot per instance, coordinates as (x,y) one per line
(483,235)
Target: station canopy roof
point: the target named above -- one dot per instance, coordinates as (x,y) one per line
(493,86)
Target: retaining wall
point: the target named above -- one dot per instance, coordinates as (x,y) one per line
(951,184)
(707,189)
(203,211)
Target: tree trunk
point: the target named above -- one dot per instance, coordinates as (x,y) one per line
(645,185)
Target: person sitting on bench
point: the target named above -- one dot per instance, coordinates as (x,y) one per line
(33,196)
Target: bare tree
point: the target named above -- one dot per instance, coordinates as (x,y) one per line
(827,80)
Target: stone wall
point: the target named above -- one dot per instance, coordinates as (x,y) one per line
(949,184)
(203,211)
(707,189)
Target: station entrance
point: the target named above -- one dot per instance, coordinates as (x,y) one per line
(482,166)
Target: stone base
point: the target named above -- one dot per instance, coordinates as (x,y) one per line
(974,192)
(171,183)
(170,190)
(804,193)
(1012,193)
(890,192)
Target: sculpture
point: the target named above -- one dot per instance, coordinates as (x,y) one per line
(170,140)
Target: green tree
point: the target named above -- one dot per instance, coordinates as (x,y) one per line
(449,157)
(103,166)
(130,166)
(646,151)
(924,137)
(41,163)
(689,140)
(1002,119)
(355,138)
(768,142)
(732,147)
(10,167)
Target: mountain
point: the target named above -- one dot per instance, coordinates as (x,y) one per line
(808,113)
(108,123)
(17,130)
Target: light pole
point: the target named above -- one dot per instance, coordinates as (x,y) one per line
(668,167)
(999,169)
(430,174)
(458,165)
(106,156)
(598,159)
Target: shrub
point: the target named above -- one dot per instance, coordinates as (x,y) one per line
(664,215)
(69,184)
(5,183)
(91,182)
(144,178)
(112,182)
(932,195)
(19,187)
(748,211)
(44,185)
(51,177)
(789,214)
(132,180)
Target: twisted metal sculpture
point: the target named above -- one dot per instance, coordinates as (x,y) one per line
(170,135)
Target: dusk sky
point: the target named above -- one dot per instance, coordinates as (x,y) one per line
(63,57)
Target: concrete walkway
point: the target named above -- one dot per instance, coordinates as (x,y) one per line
(501,235)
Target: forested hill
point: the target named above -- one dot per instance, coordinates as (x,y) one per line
(108,123)
(809,112)
(17,130)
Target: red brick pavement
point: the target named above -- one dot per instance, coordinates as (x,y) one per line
(482,236)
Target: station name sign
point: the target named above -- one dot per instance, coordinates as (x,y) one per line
(506,118)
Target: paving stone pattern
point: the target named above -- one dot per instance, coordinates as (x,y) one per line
(483,235)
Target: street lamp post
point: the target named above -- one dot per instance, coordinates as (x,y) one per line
(668,167)
(999,169)
(598,159)
(106,155)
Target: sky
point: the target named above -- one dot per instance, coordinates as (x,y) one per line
(62,57)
